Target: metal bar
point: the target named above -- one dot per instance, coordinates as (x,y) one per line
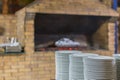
(115,5)
(116,38)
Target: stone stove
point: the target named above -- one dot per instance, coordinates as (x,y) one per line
(42,19)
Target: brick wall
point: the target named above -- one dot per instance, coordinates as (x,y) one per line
(100,37)
(119,31)
(107,2)
(39,66)
(8,23)
(111,37)
(105,36)
(20,25)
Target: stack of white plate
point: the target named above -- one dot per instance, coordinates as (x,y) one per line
(117,60)
(99,68)
(62,64)
(76,69)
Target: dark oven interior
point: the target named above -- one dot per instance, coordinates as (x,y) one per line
(61,31)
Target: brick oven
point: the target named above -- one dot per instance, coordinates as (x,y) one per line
(45,22)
